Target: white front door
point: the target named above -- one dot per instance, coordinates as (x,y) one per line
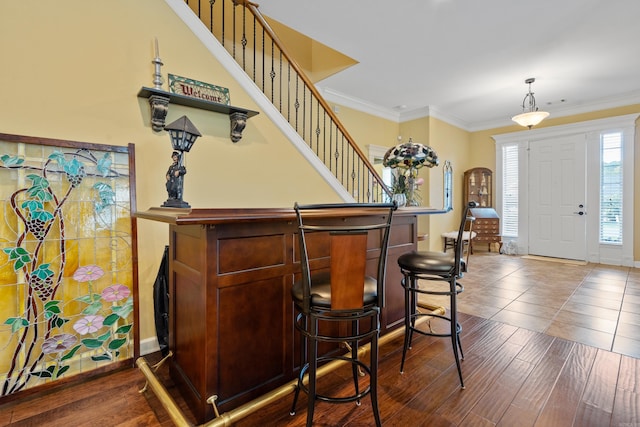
(557,197)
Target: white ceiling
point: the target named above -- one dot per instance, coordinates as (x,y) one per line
(465,61)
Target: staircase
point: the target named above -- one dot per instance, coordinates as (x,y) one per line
(248,38)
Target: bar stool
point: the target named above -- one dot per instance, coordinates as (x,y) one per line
(422,270)
(338,297)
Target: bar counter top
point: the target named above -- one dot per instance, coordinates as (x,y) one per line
(177,216)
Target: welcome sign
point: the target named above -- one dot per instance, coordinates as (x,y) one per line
(196,89)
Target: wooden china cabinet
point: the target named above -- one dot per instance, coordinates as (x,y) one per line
(478,187)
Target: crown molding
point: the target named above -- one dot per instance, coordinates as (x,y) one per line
(358,104)
(616,101)
(430,111)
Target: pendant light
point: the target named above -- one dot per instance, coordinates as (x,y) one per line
(530,115)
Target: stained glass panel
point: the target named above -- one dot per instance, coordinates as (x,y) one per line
(67,275)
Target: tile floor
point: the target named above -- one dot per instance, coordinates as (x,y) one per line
(595,304)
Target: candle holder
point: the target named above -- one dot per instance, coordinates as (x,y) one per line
(159,104)
(157,63)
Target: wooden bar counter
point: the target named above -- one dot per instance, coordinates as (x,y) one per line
(231,315)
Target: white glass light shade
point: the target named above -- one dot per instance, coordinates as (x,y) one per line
(530,119)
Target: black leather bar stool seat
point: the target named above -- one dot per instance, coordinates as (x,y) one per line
(422,270)
(321,296)
(429,262)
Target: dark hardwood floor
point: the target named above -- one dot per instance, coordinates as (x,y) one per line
(514,377)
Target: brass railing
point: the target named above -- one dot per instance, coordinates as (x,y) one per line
(247,36)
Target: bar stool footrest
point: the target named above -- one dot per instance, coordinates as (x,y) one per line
(331,399)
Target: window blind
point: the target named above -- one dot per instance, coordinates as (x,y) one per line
(510,190)
(611,188)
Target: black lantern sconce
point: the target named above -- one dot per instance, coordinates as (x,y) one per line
(183,135)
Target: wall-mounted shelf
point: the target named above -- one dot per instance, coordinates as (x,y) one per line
(159,101)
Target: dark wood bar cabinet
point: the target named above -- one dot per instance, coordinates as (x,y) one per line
(231,315)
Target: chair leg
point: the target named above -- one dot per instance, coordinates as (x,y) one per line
(406,323)
(413,309)
(303,362)
(374,379)
(354,355)
(313,368)
(460,345)
(455,337)
(295,397)
(410,309)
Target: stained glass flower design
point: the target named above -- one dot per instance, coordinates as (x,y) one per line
(88,273)
(116,292)
(58,343)
(88,324)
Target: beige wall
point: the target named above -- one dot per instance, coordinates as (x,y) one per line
(367,129)
(451,143)
(72,70)
(316,59)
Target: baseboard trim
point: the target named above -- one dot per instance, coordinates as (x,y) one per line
(552,259)
(148,346)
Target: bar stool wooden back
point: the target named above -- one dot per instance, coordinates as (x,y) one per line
(340,293)
(424,273)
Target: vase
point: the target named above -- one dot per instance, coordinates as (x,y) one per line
(400,199)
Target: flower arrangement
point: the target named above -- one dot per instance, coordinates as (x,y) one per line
(399,184)
(408,157)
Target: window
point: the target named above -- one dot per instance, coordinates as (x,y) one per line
(611,188)
(510,190)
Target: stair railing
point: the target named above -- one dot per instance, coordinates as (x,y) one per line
(253,44)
